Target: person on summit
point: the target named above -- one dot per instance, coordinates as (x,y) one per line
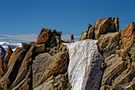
(72,38)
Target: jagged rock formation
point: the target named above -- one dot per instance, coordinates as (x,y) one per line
(118,49)
(32,65)
(84,68)
(119,52)
(102,26)
(105,64)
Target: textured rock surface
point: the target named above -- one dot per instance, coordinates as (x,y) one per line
(109,43)
(8,54)
(49,65)
(13,66)
(84,67)
(59,82)
(120,68)
(1,67)
(128,36)
(102,26)
(43,36)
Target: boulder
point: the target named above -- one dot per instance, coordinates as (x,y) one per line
(109,43)
(39,65)
(50,65)
(84,70)
(43,36)
(101,27)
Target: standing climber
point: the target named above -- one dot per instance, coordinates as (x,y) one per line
(72,38)
(89,26)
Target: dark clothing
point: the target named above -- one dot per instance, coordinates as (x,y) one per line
(72,38)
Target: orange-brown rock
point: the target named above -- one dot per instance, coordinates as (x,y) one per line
(25,86)
(102,26)
(1,67)
(23,70)
(128,36)
(8,54)
(13,67)
(43,36)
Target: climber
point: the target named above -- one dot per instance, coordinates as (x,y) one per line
(2,52)
(89,26)
(72,38)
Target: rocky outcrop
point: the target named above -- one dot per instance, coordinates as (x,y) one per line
(8,54)
(102,26)
(43,36)
(45,66)
(84,69)
(13,66)
(128,36)
(118,50)
(31,65)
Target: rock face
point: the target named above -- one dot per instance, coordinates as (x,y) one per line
(119,53)
(128,36)
(32,65)
(45,66)
(109,43)
(102,26)
(84,69)
(43,36)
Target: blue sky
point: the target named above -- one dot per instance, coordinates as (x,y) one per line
(68,16)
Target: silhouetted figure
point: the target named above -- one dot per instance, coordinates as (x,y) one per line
(72,38)
(89,26)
